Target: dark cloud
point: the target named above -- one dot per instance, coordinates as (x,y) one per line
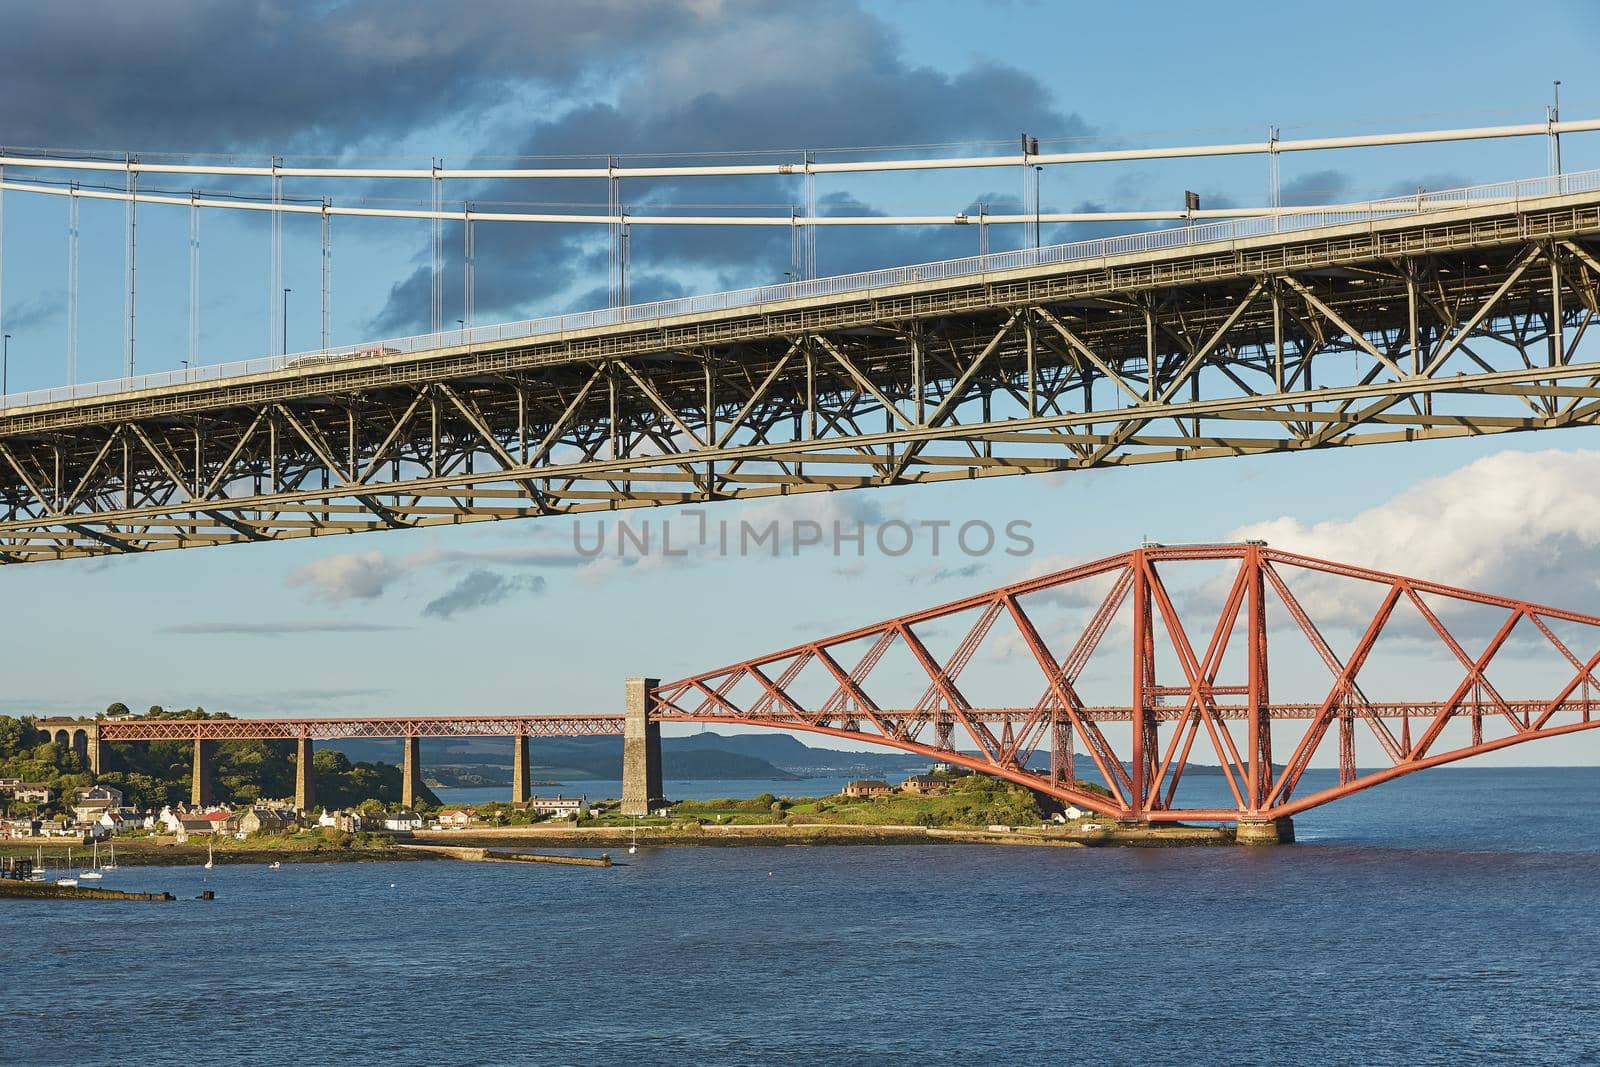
(278,629)
(220,74)
(479,589)
(1432,182)
(826,74)
(32,312)
(1317,187)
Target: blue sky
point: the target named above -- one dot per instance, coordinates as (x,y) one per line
(345,625)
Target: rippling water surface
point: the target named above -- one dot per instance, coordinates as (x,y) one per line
(1452,917)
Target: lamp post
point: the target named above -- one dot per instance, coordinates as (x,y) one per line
(285,337)
(1038,195)
(463,324)
(5,366)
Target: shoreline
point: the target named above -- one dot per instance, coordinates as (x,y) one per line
(158,852)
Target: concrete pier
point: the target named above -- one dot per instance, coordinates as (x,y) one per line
(411,773)
(641,750)
(305,783)
(519,770)
(201,793)
(1265,831)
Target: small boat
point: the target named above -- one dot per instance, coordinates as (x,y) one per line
(67,881)
(112,865)
(93,873)
(210,857)
(633,845)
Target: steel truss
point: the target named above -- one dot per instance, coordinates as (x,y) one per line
(1231,725)
(142,729)
(1466,322)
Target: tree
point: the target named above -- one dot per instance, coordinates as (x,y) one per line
(13,736)
(119,708)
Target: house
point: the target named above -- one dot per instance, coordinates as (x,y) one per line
(924,785)
(33,792)
(1074,812)
(560,807)
(866,787)
(456,818)
(263,820)
(101,794)
(205,824)
(346,822)
(89,804)
(402,822)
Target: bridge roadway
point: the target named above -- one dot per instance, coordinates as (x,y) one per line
(1464,318)
(398,727)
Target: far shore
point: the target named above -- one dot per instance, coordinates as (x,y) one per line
(166,852)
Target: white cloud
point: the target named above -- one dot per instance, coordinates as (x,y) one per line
(348,576)
(1516,524)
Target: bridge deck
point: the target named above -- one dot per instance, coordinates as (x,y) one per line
(1464,319)
(328,729)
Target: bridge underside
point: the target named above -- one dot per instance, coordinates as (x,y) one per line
(1463,323)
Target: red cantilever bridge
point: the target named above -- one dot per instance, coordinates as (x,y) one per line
(1200,638)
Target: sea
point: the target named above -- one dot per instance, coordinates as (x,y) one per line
(1451,917)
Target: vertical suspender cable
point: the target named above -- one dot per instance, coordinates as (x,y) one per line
(194,279)
(613,210)
(2,247)
(327,267)
(796,254)
(438,247)
(625,249)
(1274,186)
(72,286)
(469,266)
(275,268)
(810,265)
(131,264)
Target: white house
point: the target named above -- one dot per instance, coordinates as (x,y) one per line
(403,822)
(560,807)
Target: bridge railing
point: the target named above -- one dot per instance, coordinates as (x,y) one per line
(1167,238)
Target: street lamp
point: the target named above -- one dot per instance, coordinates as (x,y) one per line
(1038,193)
(285,338)
(5,365)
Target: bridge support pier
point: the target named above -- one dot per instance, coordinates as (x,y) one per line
(519,769)
(95,754)
(411,773)
(201,793)
(305,785)
(641,750)
(1265,831)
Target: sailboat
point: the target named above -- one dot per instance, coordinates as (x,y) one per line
(633,845)
(67,881)
(39,874)
(111,866)
(210,858)
(93,873)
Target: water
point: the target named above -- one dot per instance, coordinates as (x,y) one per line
(1445,918)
